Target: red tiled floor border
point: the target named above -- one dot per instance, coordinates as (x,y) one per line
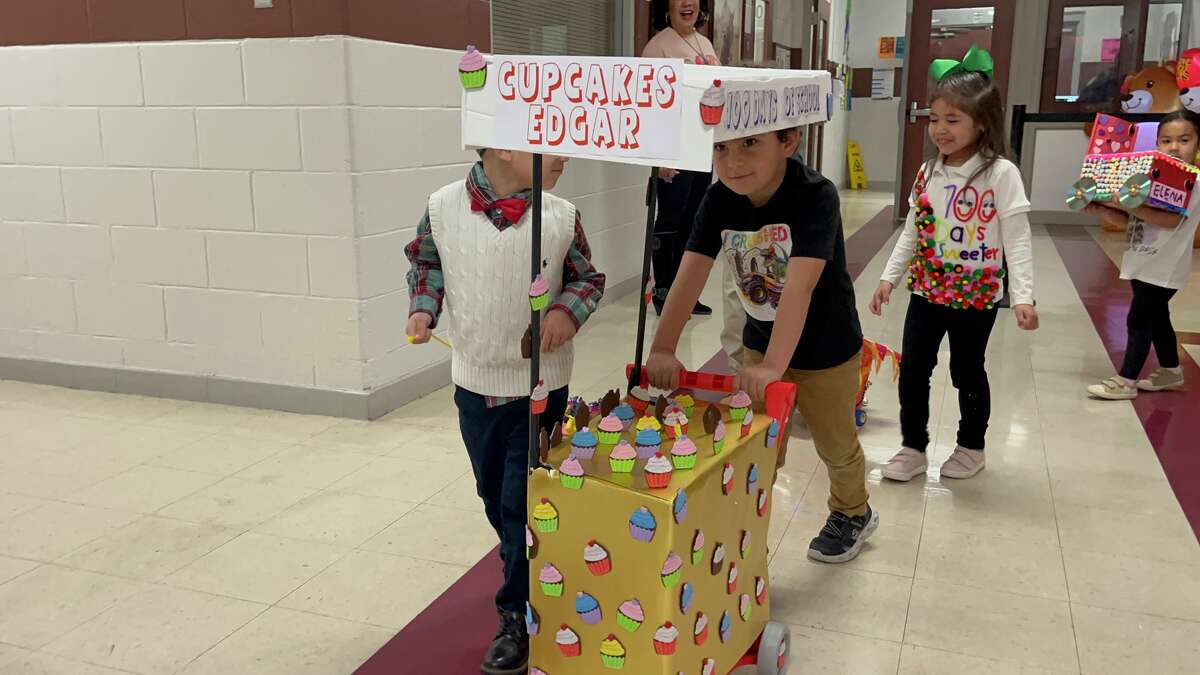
(1169,418)
(450,635)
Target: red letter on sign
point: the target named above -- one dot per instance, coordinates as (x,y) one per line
(551,80)
(622,79)
(602,133)
(527,82)
(631,123)
(597,93)
(536,115)
(666,87)
(507,73)
(574,88)
(578,126)
(645,77)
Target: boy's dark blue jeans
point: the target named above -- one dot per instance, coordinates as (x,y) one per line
(497,441)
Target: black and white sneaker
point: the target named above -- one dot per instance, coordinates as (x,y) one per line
(842,538)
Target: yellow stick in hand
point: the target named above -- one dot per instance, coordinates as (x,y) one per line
(447,345)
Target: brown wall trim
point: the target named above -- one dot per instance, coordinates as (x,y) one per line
(436,23)
(860,85)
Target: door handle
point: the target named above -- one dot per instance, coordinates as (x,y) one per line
(914,112)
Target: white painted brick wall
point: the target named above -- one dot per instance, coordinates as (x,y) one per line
(239,208)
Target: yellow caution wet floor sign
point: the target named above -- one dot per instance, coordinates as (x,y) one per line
(858,171)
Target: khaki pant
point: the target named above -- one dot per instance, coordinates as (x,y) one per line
(826,401)
(733,320)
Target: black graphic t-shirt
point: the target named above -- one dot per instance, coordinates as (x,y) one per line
(802,220)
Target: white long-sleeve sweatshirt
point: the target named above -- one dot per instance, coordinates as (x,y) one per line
(955,246)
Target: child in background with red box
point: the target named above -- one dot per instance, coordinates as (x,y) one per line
(1157,264)
(472,250)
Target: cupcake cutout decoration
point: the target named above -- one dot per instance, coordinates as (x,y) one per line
(570,473)
(672,570)
(760,590)
(686,593)
(649,421)
(610,429)
(732,579)
(700,632)
(658,472)
(680,506)
(739,405)
(712,104)
(609,402)
(719,437)
(532,620)
(649,442)
(683,453)
(718,559)
(725,627)
(587,608)
(567,641)
(642,525)
(538,398)
(665,639)
(744,607)
(708,667)
(539,293)
(639,400)
(752,479)
(472,69)
(597,559)
(531,544)
(745,548)
(727,479)
(685,400)
(545,516)
(630,615)
(622,458)
(711,416)
(551,581)
(773,434)
(624,413)
(697,547)
(612,653)
(676,422)
(583,443)
(746,423)
(762,503)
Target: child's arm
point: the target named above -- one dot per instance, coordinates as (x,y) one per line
(583,287)
(802,277)
(662,366)
(897,264)
(1017,238)
(426,286)
(1157,217)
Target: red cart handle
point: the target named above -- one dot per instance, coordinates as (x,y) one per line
(781,396)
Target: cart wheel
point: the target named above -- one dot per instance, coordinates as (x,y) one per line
(860,418)
(1081,194)
(1135,191)
(773,648)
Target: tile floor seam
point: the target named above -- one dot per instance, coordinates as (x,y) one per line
(1123,610)
(223,639)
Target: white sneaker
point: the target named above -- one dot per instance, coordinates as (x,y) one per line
(1161,379)
(1113,389)
(963,463)
(905,465)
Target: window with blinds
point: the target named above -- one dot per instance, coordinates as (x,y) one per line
(555,27)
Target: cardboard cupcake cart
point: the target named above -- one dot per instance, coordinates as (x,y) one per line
(648,517)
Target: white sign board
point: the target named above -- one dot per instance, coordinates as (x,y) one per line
(633,110)
(565,106)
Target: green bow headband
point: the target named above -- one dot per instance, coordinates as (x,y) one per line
(975,61)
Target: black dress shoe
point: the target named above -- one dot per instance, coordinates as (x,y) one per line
(509,653)
(702,309)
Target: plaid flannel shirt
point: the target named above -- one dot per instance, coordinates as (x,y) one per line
(583,285)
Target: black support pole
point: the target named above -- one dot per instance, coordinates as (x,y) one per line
(535,323)
(635,377)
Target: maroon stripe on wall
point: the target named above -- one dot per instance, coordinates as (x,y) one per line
(1169,418)
(436,23)
(467,611)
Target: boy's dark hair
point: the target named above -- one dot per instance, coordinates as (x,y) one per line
(977,95)
(660,14)
(480,152)
(1182,114)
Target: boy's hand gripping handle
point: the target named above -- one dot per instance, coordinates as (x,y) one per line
(781,396)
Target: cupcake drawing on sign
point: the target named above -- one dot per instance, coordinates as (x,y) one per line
(567,640)
(598,561)
(472,69)
(700,633)
(587,608)
(630,615)
(642,525)
(712,104)
(665,639)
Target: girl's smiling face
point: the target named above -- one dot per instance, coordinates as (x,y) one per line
(684,14)
(954,132)
(1178,138)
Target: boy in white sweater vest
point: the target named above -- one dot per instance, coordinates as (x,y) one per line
(472,253)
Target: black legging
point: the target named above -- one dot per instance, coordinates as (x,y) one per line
(1149,322)
(678,201)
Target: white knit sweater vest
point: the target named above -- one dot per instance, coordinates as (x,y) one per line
(486,276)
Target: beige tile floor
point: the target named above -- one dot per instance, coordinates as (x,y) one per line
(150,536)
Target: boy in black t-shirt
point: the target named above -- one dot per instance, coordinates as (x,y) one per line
(778,226)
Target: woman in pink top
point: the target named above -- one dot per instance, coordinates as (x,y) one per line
(679,192)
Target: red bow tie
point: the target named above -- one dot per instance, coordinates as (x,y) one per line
(511,208)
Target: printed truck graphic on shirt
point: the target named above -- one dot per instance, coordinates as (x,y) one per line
(759,262)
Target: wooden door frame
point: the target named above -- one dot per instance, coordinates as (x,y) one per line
(1133,45)
(917,61)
